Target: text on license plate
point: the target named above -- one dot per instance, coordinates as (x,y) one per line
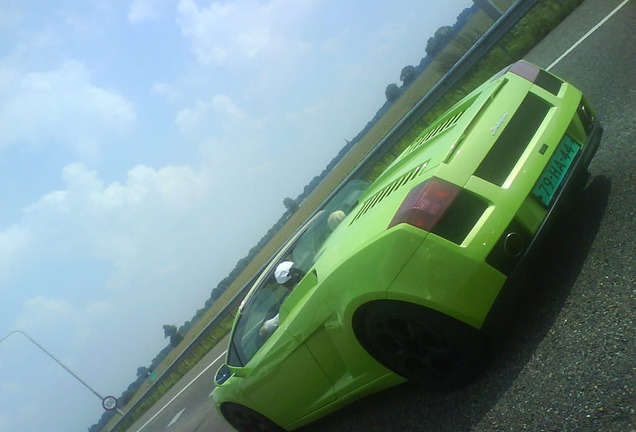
(556,169)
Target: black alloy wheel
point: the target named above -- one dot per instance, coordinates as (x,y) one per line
(419,343)
(245,419)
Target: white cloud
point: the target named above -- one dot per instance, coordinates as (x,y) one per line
(249,29)
(191,118)
(15,246)
(153,247)
(175,187)
(61,107)
(224,104)
(172,188)
(143,10)
(12,240)
(40,312)
(101,308)
(170,92)
(50,317)
(147,225)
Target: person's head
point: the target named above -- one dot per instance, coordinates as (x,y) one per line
(287,275)
(335,218)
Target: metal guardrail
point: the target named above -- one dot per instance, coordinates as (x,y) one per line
(479,49)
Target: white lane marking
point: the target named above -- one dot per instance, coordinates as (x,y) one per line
(175,418)
(586,35)
(182,390)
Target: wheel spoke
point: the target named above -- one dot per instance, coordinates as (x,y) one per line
(410,346)
(420,343)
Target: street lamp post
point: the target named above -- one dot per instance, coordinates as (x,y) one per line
(107,402)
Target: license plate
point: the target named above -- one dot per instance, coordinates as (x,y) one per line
(555,171)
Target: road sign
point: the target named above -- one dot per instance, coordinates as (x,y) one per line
(109,403)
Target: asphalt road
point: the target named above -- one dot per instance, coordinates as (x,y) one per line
(187,407)
(567,359)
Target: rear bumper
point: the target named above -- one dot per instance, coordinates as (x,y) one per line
(572,184)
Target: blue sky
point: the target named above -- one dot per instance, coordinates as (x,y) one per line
(145,147)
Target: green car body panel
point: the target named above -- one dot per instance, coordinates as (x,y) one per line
(495,146)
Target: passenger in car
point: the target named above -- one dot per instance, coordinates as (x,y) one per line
(287,275)
(335,218)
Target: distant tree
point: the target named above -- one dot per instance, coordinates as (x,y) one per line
(436,43)
(126,397)
(241,264)
(169,330)
(408,74)
(290,204)
(159,357)
(463,17)
(222,286)
(105,418)
(176,339)
(309,187)
(392,92)
(143,372)
(424,62)
(216,293)
(457,48)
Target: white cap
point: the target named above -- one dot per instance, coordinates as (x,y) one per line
(282,273)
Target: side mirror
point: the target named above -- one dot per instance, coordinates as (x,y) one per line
(222,374)
(226,371)
(241,372)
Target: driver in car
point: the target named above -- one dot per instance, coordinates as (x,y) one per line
(288,276)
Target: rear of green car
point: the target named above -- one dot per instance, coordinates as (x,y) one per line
(479,185)
(443,229)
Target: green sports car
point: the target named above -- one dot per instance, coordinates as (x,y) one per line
(395,280)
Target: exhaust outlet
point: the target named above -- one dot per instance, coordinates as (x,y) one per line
(514,244)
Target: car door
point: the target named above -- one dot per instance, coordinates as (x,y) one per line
(274,374)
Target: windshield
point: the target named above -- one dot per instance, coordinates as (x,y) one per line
(258,316)
(305,250)
(263,305)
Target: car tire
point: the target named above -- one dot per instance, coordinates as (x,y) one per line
(419,343)
(245,419)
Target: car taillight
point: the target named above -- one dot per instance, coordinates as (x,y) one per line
(426,203)
(522,68)
(537,76)
(525,70)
